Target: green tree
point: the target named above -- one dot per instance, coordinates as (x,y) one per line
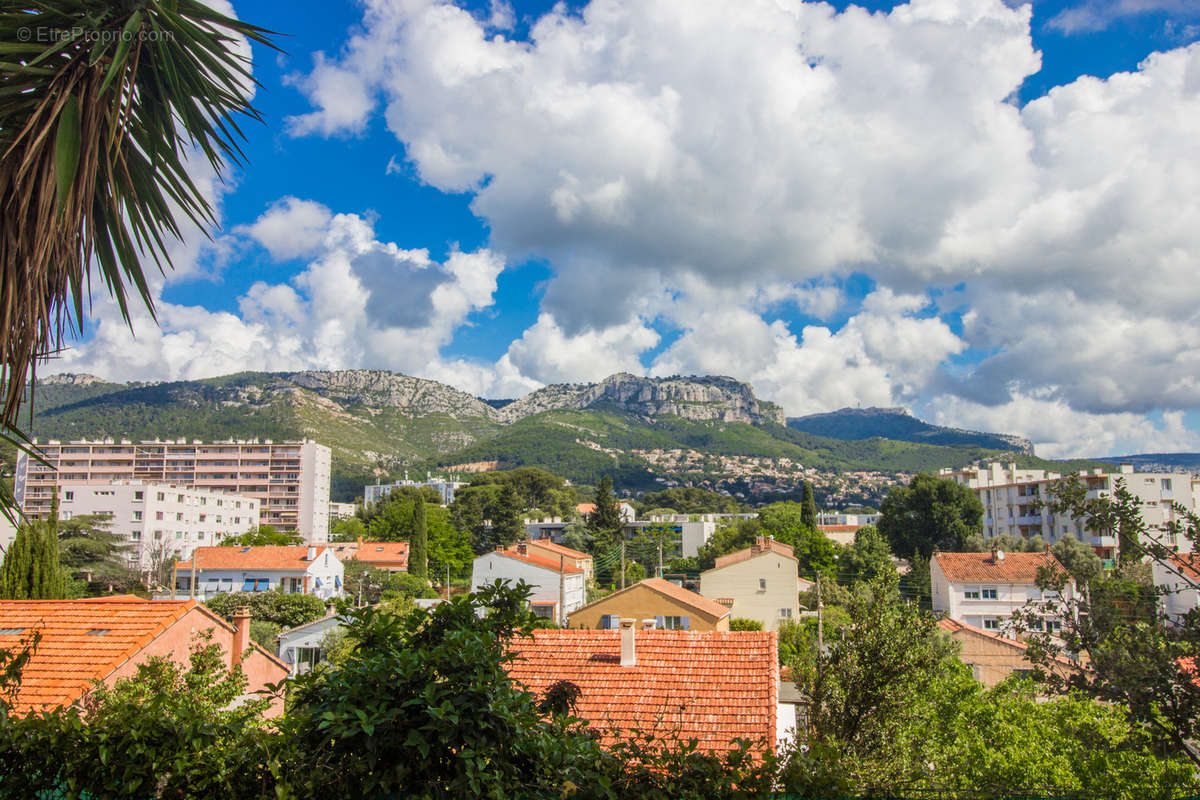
(285,610)
(96,556)
(929,514)
(350,529)
(743,624)
(94,153)
(505,512)
(866,559)
(690,500)
(262,536)
(1079,559)
(808,507)
(605,520)
(32,567)
(418,544)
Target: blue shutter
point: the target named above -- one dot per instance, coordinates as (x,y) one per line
(604,622)
(687,623)
(660,623)
(248,585)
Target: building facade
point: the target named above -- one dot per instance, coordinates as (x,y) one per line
(160,520)
(1014,501)
(303,569)
(671,607)
(762,581)
(443,486)
(290,480)
(985,589)
(557,590)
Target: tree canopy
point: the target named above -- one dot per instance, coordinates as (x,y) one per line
(929,514)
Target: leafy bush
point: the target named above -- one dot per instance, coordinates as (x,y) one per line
(285,610)
(743,624)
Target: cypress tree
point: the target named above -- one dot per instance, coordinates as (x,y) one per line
(418,543)
(808,507)
(605,520)
(32,568)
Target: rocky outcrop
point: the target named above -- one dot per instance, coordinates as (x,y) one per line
(377,389)
(697,398)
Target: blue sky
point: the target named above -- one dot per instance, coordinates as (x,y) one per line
(979,210)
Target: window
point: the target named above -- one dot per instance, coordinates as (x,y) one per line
(991,624)
(785,613)
(138,495)
(136,536)
(178,534)
(179,498)
(256,585)
(971,594)
(544,612)
(203,501)
(989,592)
(675,623)
(179,516)
(161,496)
(202,517)
(137,516)
(68,495)
(762,584)
(158,515)
(1166,484)
(307,658)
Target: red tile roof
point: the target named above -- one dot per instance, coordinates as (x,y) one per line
(558,548)
(538,561)
(586,508)
(768,546)
(981,567)
(1188,565)
(265,557)
(712,686)
(383,552)
(82,641)
(697,602)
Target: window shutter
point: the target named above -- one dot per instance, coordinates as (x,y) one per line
(604,622)
(687,623)
(660,623)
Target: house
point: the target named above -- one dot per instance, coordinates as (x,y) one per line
(991,656)
(625,511)
(671,607)
(1177,578)
(762,581)
(312,569)
(575,558)
(387,556)
(105,639)
(301,647)
(984,589)
(558,587)
(711,686)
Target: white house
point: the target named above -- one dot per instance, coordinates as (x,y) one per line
(311,569)
(557,589)
(762,581)
(985,589)
(301,647)
(1178,578)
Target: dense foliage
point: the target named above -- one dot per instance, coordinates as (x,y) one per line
(32,568)
(929,514)
(285,610)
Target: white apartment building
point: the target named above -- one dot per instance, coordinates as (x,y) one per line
(290,480)
(160,520)
(1012,501)
(444,487)
(694,529)
(985,589)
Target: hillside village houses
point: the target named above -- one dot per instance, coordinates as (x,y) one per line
(300,569)
(761,582)
(983,590)
(104,639)
(160,520)
(1013,501)
(290,480)
(668,606)
(557,587)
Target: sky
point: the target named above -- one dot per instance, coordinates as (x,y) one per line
(984,211)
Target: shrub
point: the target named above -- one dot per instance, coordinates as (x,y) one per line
(743,624)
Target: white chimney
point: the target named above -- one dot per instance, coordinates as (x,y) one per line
(628,658)
(311,555)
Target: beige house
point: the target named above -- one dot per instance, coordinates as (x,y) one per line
(762,582)
(993,657)
(671,607)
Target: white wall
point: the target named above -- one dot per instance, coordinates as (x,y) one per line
(1010,597)
(1180,597)
(742,580)
(310,635)
(493,566)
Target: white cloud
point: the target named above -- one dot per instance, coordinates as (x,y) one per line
(1096,15)
(548,355)
(290,228)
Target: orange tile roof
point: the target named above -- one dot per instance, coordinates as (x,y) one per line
(72,653)
(1188,564)
(266,557)
(981,567)
(751,552)
(383,552)
(712,686)
(538,561)
(586,508)
(558,548)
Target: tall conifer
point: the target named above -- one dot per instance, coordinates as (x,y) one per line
(418,544)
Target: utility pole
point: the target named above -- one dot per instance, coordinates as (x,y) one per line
(622,562)
(562,590)
(660,564)
(820,626)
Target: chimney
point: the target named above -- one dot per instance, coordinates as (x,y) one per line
(241,634)
(760,544)
(1046,548)
(521,548)
(648,624)
(628,658)
(499,548)
(995,553)
(311,553)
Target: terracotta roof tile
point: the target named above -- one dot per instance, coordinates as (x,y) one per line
(538,561)
(686,597)
(383,552)
(1188,564)
(266,557)
(712,686)
(81,641)
(558,548)
(981,567)
(770,545)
